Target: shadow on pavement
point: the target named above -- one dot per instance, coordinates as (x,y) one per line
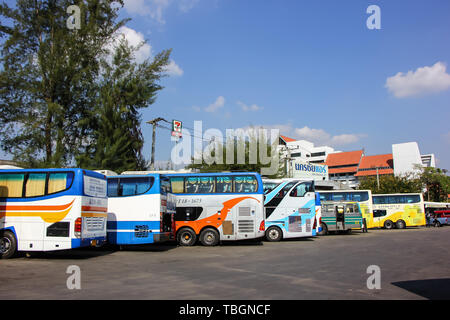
(433,289)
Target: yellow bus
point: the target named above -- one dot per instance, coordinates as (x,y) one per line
(399,210)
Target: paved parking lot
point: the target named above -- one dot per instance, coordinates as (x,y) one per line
(414,264)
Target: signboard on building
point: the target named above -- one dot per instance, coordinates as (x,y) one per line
(309,171)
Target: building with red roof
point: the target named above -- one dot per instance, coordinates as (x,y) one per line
(343,166)
(376,165)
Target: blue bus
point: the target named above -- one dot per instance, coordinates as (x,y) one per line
(292,209)
(140,208)
(51,209)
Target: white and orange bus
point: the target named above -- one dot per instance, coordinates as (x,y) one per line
(51,209)
(212,207)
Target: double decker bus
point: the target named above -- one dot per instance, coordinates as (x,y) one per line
(399,210)
(51,209)
(292,209)
(140,208)
(362,197)
(212,207)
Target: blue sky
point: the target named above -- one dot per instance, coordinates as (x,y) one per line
(311,68)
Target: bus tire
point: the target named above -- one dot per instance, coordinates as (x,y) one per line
(274,234)
(186,237)
(437,224)
(8,244)
(388,224)
(324,231)
(209,237)
(401,224)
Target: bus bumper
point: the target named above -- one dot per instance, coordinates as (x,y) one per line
(86,242)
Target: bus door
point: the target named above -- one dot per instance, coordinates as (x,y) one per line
(340,217)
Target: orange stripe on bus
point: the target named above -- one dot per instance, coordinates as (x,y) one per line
(93,214)
(50,217)
(35,207)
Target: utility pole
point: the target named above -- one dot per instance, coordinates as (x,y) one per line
(154,122)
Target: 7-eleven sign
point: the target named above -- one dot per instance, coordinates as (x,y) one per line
(176,128)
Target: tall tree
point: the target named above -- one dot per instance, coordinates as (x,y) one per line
(125,87)
(47,75)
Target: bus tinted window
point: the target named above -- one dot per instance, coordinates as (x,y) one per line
(224,184)
(35,185)
(379,200)
(245,184)
(134,186)
(360,196)
(412,198)
(301,189)
(113,187)
(165,185)
(177,184)
(199,185)
(269,186)
(60,181)
(11,185)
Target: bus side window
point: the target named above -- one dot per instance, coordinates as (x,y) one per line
(11,185)
(58,182)
(113,187)
(35,185)
(177,184)
(224,184)
(301,189)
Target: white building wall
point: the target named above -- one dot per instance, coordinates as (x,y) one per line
(406,156)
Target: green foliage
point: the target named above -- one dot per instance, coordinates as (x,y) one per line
(126,88)
(62,102)
(433,182)
(436,183)
(391,184)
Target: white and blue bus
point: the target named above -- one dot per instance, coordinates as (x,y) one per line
(292,209)
(140,209)
(212,207)
(51,209)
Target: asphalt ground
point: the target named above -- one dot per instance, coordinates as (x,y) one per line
(412,263)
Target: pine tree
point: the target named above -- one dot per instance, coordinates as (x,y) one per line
(47,75)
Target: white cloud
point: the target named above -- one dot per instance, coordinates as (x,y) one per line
(252,107)
(155,9)
(219,103)
(321,137)
(152,8)
(424,80)
(173,69)
(136,39)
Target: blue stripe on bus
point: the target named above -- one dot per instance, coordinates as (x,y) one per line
(130,225)
(273,193)
(86,242)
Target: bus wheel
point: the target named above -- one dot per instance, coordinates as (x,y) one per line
(186,237)
(209,237)
(8,245)
(388,224)
(437,224)
(274,234)
(324,231)
(401,224)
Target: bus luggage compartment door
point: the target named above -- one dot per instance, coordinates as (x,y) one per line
(245,222)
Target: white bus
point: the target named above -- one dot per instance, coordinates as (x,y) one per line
(140,209)
(292,209)
(51,209)
(211,207)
